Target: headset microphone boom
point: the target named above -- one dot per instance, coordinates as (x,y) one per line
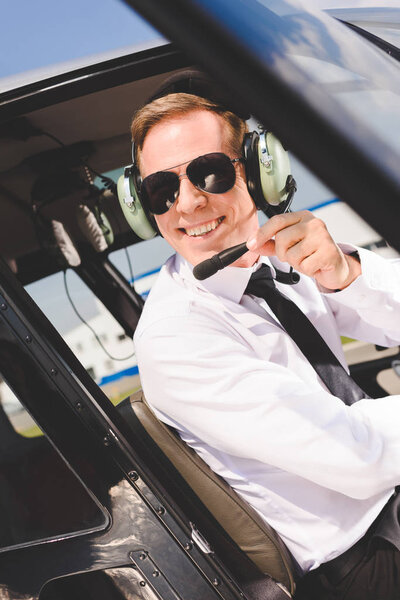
(223,259)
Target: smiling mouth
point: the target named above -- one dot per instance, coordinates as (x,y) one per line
(203,229)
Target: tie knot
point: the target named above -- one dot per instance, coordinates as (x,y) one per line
(260,278)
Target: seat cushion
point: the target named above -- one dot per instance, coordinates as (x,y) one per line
(242,523)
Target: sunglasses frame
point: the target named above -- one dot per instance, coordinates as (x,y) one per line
(144,194)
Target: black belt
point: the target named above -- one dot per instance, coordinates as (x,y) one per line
(337,568)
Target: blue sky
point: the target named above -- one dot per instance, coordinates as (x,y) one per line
(37,33)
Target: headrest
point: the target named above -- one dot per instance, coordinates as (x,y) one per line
(194,81)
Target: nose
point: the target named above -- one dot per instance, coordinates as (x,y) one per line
(190,198)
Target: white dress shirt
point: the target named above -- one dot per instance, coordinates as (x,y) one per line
(216,365)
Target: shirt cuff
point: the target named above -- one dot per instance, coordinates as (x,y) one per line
(376,274)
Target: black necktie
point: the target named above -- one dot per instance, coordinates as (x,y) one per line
(307,338)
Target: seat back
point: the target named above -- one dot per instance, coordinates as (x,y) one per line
(242,523)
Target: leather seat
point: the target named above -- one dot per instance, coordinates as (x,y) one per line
(242,523)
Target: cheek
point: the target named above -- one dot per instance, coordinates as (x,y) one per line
(248,206)
(244,205)
(162,224)
(168,227)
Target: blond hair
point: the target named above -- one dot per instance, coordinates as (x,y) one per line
(176,104)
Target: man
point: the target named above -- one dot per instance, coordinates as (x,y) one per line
(217,365)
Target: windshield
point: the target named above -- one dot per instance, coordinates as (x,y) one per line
(365,80)
(358,95)
(384,22)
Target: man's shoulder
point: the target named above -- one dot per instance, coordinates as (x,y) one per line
(167,300)
(176,304)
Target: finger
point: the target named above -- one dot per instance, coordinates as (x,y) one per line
(267,249)
(310,264)
(317,264)
(290,240)
(295,243)
(295,254)
(271,228)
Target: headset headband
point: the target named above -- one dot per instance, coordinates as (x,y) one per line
(197,83)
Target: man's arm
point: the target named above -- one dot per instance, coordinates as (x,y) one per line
(205,378)
(363,294)
(369,309)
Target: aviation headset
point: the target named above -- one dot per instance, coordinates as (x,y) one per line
(267,165)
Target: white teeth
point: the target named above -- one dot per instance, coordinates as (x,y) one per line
(202,229)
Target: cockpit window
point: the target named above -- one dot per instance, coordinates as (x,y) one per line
(41,498)
(94,336)
(90,32)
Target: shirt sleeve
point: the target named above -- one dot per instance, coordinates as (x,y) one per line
(209,381)
(369,308)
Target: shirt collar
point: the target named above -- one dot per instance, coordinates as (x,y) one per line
(229,283)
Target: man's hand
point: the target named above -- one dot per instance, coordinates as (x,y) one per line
(304,242)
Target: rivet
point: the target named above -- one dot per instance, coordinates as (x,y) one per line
(160,510)
(142,556)
(156,573)
(78,406)
(28,339)
(216,582)
(133,475)
(3,306)
(142,583)
(106,440)
(188,546)
(54,371)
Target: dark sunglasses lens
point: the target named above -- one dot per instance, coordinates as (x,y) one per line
(213,173)
(160,190)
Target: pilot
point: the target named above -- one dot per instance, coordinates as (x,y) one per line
(272,410)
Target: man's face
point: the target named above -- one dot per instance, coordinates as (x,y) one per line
(231,215)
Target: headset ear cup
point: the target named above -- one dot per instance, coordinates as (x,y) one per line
(250,152)
(274,166)
(267,171)
(134,213)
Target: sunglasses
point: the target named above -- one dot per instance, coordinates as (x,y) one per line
(212,173)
